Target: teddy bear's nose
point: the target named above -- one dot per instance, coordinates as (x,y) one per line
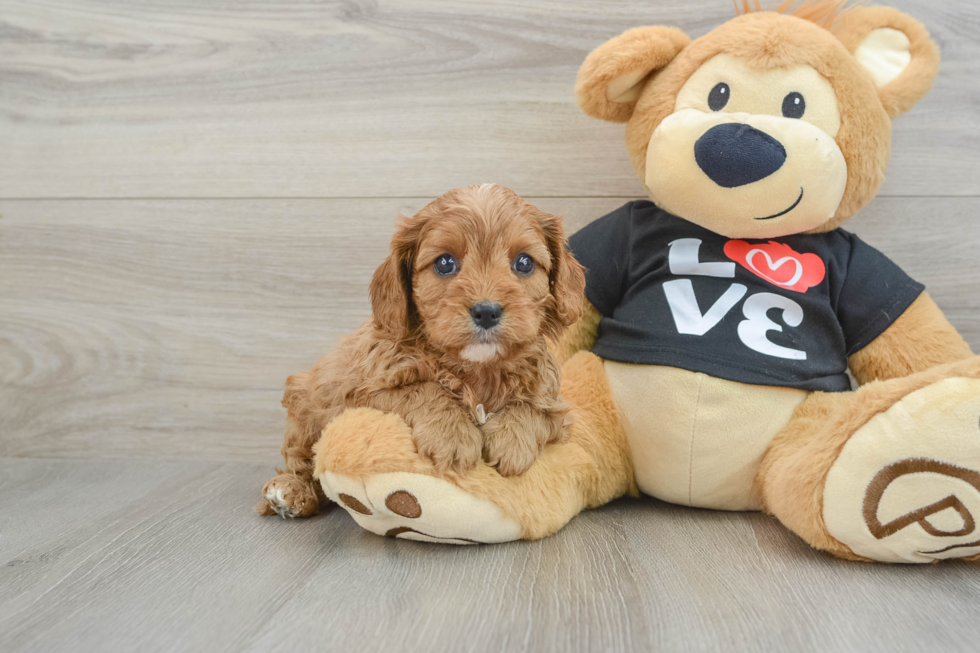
(735,154)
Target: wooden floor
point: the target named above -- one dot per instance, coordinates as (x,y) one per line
(193,196)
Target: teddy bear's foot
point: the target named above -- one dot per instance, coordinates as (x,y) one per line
(906,485)
(419,507)
(367,463)
(288,496)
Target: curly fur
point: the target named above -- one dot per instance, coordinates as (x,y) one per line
(411,357)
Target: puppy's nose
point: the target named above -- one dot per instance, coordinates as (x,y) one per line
(733,154)
(486,314)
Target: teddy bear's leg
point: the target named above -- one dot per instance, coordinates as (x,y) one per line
(890,472)
(366,461)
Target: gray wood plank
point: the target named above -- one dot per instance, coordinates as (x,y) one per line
(169,98)
(167,328)
(183,564)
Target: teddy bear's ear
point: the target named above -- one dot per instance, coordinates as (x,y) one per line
(895,50)
(610,80)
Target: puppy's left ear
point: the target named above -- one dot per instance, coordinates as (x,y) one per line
(567,277)
(391,286)
(895,49)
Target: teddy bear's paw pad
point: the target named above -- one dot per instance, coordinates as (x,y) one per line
(906,486)
(419,507)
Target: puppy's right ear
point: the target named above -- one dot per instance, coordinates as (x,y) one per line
(391,286)
(567,277)
(610,80)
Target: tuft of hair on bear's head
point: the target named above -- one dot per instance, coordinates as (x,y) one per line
(820,12)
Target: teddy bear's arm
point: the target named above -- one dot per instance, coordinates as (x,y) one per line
(578,337)
(919,339)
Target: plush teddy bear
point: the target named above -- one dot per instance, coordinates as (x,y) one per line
(725,313)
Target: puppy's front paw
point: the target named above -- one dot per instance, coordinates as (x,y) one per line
(449,439)
(509,445)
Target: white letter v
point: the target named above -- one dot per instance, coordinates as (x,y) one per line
(684,306)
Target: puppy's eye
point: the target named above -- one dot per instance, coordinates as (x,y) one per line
(794,105)
(523,264)
(446,265)
(719,96)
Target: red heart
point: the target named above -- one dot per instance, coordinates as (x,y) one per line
(778,264)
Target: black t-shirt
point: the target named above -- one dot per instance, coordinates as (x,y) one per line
(783,312)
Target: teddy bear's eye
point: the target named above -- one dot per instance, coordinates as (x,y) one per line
(794,105)
(446,265)
(718,97)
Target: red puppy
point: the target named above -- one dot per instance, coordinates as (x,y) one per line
(474,284)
